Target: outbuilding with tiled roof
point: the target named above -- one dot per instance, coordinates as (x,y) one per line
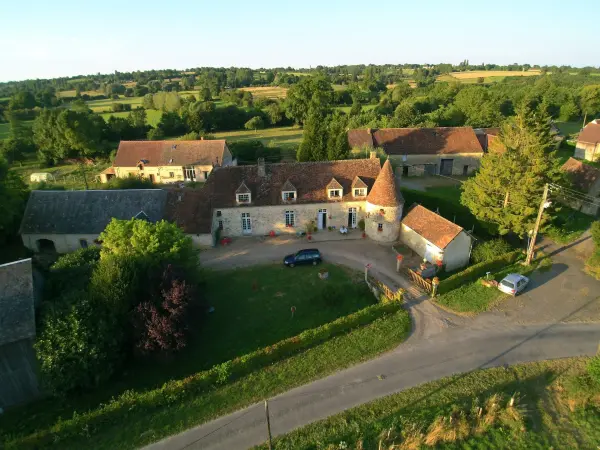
(435,238)
(588,142)
(585,178)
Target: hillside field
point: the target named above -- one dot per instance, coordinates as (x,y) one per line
(267,91)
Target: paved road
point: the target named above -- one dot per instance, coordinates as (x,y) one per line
(455,351)
(441,344)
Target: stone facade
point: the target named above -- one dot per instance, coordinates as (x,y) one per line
(63,243)
(383,223)
(588,151)
(419,165)
(166,174)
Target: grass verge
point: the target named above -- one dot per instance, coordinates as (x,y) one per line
(568,225)
(551,410)
(152,415)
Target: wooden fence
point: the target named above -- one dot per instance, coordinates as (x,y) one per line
(384,289)
(417,279)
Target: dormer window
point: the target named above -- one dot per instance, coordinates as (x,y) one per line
(334,190)
(288,192)
(243,195)
(359,188)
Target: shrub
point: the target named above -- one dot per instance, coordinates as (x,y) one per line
(361,224)
(593,369)
(78,344)
(592,265)
(131,182)
(490,250)
(256,123)
(595,230)
(477,271)
(71,271)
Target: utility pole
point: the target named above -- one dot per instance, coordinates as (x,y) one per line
(543,206)
(268,424)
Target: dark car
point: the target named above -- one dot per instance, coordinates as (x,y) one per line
(308,256)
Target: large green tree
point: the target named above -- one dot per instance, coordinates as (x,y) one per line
(13,194)
(314,138)
(590,99)
(311,93)
(520,171)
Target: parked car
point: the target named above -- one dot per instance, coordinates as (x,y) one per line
(308,256)
(513,284)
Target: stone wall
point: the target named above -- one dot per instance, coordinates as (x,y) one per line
(265,219)
(472,160)
(63,243)
(383,223)
(590,152)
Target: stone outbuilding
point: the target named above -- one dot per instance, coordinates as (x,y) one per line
(586,179)
(266,199)
(435,238)
(64,221)
(588,142)
(424,151)
(18,373)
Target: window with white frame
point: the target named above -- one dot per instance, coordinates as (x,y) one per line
(290,218)
(335,193)
(189,173)
(243,198)
(288,196)
(360,192)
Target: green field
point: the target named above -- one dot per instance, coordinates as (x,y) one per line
(4,130)
(555,407)
(570,129)
(152,116)
(67,176)
(346,109)
(284,137)
(105,105)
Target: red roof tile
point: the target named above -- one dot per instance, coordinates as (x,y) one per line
(169,153)
(433,227)
(583,176)
(383,192)
(591,133)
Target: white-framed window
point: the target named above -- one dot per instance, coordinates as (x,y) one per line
(335,193)
(379,227)
(290,218)
(171,174)
(360,192)
(243,198)
(288,196)
(189,173)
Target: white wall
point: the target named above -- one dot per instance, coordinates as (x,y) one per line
(63,243)
(458,252)
(419,244)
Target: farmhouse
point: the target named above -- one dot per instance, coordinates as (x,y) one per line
(586,179)
(64,221)
(435,238)
(283,198)
(168,161)
(423,151)
(18,381)
(588,142)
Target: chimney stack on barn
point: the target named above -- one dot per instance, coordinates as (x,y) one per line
(262,170)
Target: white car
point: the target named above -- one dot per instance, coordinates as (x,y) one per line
(513,284)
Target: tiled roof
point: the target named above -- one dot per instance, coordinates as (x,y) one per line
(583,176)
(288,186)
(193,211)
(433,227)
(383,192)
(88,212)
(358,183)
(333,184)
(591,133)
(243,189)
(169,153)
(419,141)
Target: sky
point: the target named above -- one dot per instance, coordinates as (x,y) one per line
(46,39)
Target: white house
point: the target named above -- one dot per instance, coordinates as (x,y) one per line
(435,238)
(588,142)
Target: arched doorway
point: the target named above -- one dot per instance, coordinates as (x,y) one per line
(46,246)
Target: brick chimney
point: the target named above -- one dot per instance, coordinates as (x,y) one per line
(262,170)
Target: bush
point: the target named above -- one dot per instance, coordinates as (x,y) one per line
(595,230)
(256,123)
(592,265)
(131,182)
(71,272)
(490,250)
(477,271)
(593,369)
(78,344)
(361,224)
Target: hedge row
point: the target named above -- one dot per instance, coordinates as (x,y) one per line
(476,271)
(172,392)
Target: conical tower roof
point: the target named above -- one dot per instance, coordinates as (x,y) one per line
(383,192)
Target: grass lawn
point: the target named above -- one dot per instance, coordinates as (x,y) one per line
(550,413)
(473,297)
(252,308)
(568,225)
(105,105)
(5,128)
(346,109)
(284,137)
(267,91)
(153,116)
(569,129)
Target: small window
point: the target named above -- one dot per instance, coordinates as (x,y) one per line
(218,213)
(405,171)
(289,196)
(171,174)
(360,192)
(335,193)
(220,224)
(83,243)
(290,218)
(379,227)
(205,173)
(243,198)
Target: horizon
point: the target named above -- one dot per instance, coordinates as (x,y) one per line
(67,39)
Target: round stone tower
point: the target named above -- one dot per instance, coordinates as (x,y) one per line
(384,207)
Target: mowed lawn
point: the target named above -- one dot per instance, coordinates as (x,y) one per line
(267,91)
(105,105)
(153,116)
(284,137)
